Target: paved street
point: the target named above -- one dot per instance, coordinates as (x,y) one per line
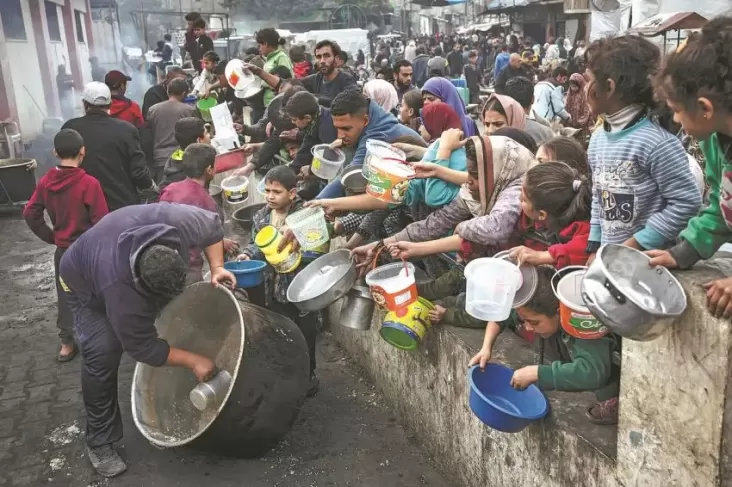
(345,436)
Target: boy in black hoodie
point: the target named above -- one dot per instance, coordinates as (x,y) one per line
(74,202)
(188,130)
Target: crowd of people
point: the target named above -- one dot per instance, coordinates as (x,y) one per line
(509,184)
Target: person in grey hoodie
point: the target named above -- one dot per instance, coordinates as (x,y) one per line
(356,120)
(118,275)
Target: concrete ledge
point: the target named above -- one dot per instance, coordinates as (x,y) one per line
(675,409)
(428,389)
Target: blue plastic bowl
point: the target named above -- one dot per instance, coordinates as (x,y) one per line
(499,405)
(248,273)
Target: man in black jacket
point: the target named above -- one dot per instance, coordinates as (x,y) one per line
(456,61)
(113,153)
(514,69)
(159,93)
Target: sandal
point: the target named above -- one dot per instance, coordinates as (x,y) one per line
(604,412)
(68,358)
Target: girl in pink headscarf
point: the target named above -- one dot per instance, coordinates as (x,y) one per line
(501,111)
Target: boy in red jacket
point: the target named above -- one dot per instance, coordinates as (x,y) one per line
(74,202)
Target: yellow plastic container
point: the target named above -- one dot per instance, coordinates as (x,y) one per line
(268,240)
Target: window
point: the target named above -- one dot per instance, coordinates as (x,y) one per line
(12,15)
(54,31)
(79,25)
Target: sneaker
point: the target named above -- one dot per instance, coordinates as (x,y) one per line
(604,412)
(106,460)
(314,385)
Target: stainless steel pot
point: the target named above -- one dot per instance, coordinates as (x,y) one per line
(357,309)
(631,298)
(323,281)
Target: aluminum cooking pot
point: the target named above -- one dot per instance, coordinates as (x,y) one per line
(631,298)
(323,282)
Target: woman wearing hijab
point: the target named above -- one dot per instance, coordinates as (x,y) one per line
(485,211)
(563,54)
(440,89)
(410,52)
(501,111)
(577,105)
(383,93)
(551,57)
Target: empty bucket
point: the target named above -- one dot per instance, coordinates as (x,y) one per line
(491,288)
(236,188)
(309,227)
(326,161)
(575,317)
(392,285)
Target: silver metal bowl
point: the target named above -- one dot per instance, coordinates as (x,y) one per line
(353,180)
(631,298)
(323,281)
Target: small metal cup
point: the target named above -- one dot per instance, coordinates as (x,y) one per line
(211,393)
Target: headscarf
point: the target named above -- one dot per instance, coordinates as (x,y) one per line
(562,49)
(515,114)
(518,136)
(568,46)
(500,162)
(446,91)
(577,105)
(438,117)
(383,93)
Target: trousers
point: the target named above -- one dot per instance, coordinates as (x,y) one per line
(101,353)
(64,319)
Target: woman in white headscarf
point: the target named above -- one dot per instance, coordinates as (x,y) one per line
(383,93)
(411,51)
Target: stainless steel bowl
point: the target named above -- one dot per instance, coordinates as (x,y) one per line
(323,281)
(631,298)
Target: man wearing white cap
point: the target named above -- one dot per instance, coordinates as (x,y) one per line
(113,153)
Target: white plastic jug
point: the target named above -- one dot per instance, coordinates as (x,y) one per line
(491,287)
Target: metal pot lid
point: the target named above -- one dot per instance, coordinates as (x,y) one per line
(530,280)
(320,276)
(653,289)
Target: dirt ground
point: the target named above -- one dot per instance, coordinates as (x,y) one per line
(345,436)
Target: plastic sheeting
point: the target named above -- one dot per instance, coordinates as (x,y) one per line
(603,24)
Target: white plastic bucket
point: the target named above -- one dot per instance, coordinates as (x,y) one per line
(309,227)
(393,285)
(236,189)
(326,161)
(491,288)
(378,150)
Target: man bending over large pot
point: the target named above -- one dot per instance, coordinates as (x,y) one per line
(118,276)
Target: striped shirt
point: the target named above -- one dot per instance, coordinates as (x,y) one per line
(642,186)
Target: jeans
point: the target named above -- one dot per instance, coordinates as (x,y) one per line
(64,320)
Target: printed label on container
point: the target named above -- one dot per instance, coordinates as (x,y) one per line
(396,301)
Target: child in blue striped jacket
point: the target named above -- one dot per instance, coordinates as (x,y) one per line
(643,190)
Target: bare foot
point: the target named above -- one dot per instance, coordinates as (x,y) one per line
(67,353)
(66,350)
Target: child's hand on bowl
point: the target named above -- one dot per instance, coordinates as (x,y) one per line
(481,358)
(241,257)
(524,377)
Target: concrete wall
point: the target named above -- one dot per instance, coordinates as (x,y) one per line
(675,410)
(27,81)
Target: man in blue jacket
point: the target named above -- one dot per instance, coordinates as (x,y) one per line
(118,276)
(356,120)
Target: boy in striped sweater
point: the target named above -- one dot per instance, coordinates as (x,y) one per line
(644,192)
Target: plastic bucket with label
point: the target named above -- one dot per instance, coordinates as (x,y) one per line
(309,227)
(406,327)
(377,150)
(392,285)
(575,317)
(235,188)
(389,180)
(326,161)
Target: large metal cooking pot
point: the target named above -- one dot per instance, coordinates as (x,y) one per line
(17,180)
(244,217)
(265,354)
(323,282)
(631,298)
(358,308)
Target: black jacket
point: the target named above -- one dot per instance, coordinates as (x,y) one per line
(113,157)
(153,96)
(507,73)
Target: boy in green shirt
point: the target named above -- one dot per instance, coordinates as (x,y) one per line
(583,365)
(270,47)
